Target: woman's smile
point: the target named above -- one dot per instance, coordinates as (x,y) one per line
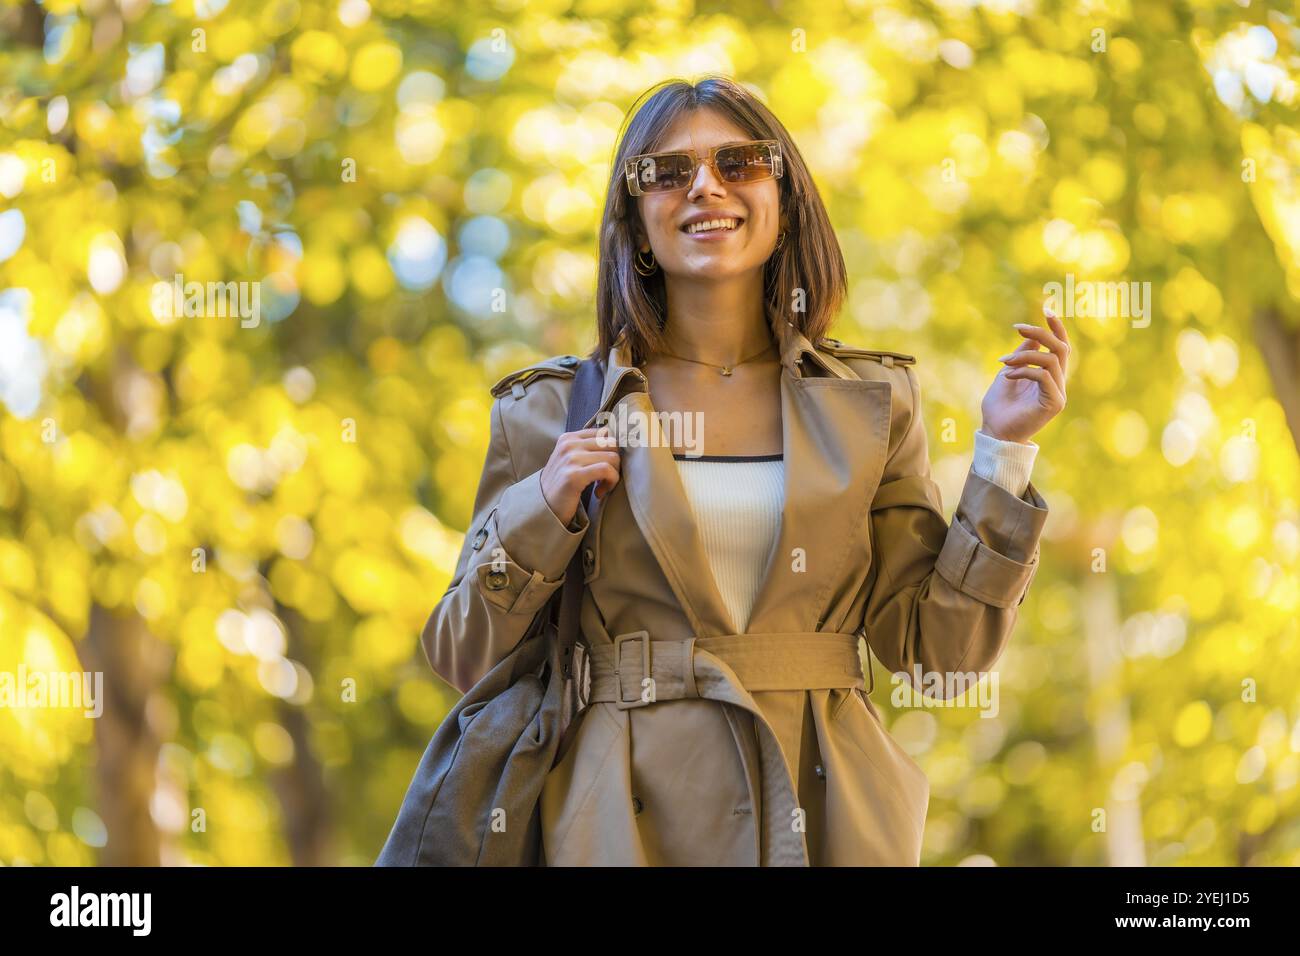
(715,229)
(713,235)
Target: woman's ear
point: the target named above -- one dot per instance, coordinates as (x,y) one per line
(640,240)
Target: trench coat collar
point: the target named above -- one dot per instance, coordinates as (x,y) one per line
(835,435)
(794,346)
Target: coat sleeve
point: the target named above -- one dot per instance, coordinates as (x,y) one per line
(483,616)
(946,594)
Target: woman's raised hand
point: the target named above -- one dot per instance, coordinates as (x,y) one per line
(580,458)
(1030,391)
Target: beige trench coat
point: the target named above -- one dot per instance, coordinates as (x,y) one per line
(761,750)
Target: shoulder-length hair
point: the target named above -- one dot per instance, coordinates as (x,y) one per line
(804,280)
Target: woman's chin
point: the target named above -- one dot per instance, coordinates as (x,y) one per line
(710,267)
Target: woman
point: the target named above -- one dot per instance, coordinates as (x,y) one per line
(729,579)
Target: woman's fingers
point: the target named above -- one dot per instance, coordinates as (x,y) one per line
(1028,353)
(592,456)
(582,457)
(600,437)
(1024,358)
(602,472)
(1045,379)
(1055,339)
(1044,337)
(1059,327)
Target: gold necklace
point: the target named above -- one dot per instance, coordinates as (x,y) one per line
(723,369)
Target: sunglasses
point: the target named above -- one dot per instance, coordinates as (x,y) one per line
(731,163)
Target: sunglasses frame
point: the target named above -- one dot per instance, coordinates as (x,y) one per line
(634,183)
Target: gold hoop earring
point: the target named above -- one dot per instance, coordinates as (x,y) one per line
(780,240)
(642,267)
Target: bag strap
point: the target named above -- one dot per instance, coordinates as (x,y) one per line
(584,402)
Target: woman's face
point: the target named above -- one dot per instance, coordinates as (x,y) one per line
(664,216)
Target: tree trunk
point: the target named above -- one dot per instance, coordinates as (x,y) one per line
(1125,844)
(304,798)
(133,663)
(1280,347)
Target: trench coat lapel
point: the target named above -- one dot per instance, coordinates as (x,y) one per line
(658,499)
(835,432)
(835,439)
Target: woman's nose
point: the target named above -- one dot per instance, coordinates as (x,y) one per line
(706,182)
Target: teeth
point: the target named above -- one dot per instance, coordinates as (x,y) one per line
(712,225)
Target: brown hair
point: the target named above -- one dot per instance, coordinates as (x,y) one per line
(809,259)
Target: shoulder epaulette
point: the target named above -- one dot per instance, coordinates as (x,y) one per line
(563,366)
(883,356)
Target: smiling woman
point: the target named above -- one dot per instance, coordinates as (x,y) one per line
(725,597)
(692,156)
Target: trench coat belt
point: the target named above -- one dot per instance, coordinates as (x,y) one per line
(728,669)
(804,660)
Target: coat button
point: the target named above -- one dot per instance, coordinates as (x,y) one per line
(568,361)
(588,560)
(637,805)
(480,539)
(496,580)
(821,774)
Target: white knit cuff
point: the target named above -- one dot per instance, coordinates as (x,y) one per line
(1006,463)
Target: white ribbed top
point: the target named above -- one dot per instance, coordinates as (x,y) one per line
(737,505)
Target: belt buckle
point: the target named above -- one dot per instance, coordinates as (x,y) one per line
(644,637)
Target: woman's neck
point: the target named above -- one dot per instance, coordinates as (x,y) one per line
(719,323)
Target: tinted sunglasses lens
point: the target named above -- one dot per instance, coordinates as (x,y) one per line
(746,163)
(663,171)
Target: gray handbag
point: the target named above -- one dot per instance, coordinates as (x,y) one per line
(475,797)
